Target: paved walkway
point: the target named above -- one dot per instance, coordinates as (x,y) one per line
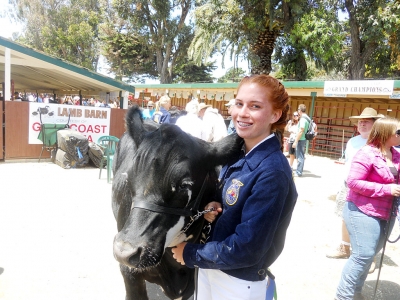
(57,228)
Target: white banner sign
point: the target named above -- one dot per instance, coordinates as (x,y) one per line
(92,122)
(359,87)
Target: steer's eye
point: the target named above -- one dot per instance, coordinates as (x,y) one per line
(186,185)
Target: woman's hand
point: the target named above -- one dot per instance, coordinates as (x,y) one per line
(395,189)
(212,215)
(178,253)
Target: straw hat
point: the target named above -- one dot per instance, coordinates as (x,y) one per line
(367,113)
(202,105)
(150,103)
(231,102)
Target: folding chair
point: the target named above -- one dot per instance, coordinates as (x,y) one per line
(108,143)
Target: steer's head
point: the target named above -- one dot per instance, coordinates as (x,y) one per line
(165,175)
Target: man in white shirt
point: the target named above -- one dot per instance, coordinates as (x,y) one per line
(214,124)
(191,123)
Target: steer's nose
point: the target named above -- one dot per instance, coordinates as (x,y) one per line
(126,254)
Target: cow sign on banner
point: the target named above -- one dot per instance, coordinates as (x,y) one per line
(92,122)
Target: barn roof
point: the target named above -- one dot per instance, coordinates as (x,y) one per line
(32,70)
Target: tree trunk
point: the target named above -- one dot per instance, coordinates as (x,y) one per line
(301,67)
(263,48)
(361,51)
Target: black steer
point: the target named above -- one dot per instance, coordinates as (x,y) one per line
(162,176)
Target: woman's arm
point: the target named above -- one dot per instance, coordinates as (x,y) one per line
(362,166)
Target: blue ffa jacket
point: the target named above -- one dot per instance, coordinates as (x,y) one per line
(258,198)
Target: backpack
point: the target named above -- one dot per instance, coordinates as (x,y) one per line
(310,134)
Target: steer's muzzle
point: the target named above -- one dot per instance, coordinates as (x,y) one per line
(139,257)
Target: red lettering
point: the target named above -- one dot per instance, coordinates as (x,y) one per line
(89,128)
(104,128)
(90,139)
(82,128)
(36,126)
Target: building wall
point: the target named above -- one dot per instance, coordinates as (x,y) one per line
(330,114)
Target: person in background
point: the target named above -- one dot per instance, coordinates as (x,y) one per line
(17,97)
(231,126)
(300,141)
(258,195)
(31,98)
(40,98)
(213,122)
(161,114)
(364,124)
(373,184)
(191,123)
(292,127)
(148,112)
(175,114)
(104,104)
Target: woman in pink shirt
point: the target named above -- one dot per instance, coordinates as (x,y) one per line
(373,183)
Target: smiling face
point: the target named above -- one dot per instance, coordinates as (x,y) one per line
(253,114)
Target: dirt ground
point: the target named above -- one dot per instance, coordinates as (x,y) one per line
(57,228)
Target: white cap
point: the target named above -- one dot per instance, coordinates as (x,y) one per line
(231,102)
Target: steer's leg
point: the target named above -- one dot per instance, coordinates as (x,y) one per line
(135,285)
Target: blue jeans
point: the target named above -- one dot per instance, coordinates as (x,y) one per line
(367,236)
(300,150)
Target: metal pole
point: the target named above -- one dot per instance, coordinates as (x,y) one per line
(313,96)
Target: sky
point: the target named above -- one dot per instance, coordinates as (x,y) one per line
(7,27)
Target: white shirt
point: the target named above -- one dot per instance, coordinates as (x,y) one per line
(214,125)
(191,124)
(353,145)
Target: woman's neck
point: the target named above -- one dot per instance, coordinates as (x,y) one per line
(386,150)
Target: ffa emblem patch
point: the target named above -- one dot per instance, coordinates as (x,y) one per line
(232,193)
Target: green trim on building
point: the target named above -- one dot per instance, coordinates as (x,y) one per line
(194,86)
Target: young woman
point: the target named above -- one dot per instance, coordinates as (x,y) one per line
(258,196)
(292,128)
(373,182)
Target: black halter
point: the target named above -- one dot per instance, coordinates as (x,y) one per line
(186,211)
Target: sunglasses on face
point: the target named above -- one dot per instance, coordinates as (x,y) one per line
(397,132)
(295,115)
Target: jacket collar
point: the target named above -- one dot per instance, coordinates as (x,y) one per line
(259,153)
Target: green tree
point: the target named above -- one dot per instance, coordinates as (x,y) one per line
(188,71)
(152,35)
(248,27)
(232,75)
(320,36)
(373,31)
(66,29)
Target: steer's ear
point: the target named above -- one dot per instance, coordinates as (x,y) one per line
(224,150)
(134,124)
